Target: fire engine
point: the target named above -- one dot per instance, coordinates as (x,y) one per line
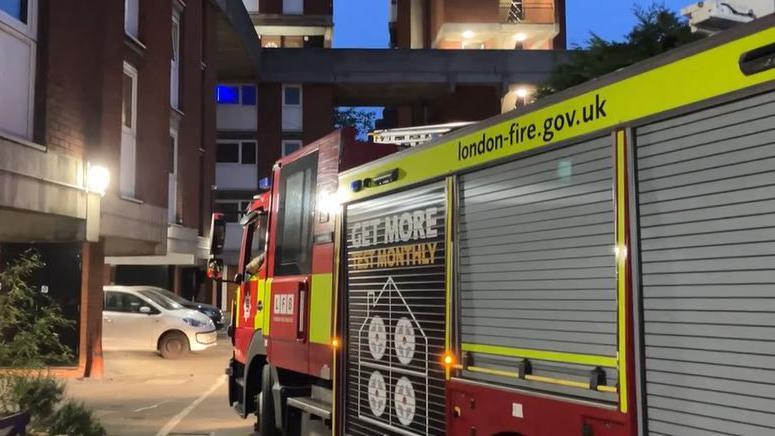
(598,263)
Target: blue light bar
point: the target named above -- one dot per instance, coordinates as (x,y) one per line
(265,184)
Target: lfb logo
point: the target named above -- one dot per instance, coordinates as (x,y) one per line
(283,304)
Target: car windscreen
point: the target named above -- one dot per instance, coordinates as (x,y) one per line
(171,295)
(161,300)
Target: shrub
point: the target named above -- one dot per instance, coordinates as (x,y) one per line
(73,418)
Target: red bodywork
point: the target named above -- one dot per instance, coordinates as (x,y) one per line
(288,345)
(475,409)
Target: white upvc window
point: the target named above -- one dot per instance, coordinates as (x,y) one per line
(292,108)
(128,167)
(18,47)
(290,145)
(132,18)
(175,61)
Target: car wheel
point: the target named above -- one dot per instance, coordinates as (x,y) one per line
(266,424)
(173,345)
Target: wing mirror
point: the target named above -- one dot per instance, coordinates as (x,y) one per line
(146,310)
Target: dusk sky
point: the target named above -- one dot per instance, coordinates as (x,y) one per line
(363,23)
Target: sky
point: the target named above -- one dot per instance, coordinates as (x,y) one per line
(363,23)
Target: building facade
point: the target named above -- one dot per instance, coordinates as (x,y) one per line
(107,145)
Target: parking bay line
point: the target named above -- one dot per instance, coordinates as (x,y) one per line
(172,423)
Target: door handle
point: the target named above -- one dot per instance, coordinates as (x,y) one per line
(301,332)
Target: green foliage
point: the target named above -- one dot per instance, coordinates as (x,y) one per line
(362,120)
(29,321)
(658,30)
(42,396)
(73,418)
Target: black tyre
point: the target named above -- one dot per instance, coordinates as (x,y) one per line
(173,345)
(266,421)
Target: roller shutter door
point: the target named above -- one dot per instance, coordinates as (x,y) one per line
(706,193)
(536,264)
(396,306)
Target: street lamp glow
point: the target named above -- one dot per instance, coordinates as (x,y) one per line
(97,179)
(520,37)
(521,92)
(468,34)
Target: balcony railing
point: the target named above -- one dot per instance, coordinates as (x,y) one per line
(526,11)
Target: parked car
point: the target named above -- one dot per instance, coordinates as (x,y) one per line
(139,318)
(211,311)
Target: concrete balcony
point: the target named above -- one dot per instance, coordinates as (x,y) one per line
(133,228)
(43,193)
(184,247)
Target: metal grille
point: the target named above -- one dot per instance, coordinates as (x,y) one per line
(537,264)
(706,193)
(396,314)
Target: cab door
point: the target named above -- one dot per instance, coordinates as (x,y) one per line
(291,262)
(250,301)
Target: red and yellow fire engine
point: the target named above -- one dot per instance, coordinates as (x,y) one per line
(598,263)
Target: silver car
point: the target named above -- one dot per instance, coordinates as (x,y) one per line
(138,318)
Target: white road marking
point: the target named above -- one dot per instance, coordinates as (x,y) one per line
(153,406)
(172,423)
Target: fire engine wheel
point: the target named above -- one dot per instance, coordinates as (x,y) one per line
(173,345)
(266,424)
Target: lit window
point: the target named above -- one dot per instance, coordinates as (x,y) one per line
(227,94)
(268,41)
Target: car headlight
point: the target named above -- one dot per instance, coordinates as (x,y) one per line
(195,323)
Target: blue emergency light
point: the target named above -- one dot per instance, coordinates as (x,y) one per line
(265,184)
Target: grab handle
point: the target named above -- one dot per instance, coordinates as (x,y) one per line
(757,60)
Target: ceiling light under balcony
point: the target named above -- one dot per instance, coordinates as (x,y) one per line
(521,92)
(468,34)
(520,37)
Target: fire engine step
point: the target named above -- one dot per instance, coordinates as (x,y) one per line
(311,406)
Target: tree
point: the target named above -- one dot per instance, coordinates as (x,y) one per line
(362,120)
(29,321)
(658,30)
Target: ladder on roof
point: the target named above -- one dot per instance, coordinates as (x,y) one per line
(413,136)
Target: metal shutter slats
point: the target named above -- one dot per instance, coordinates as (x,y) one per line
(536,266)
(706,215)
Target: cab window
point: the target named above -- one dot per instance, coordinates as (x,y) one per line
(293,252)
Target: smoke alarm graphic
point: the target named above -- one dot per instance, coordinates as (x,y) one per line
(393,371)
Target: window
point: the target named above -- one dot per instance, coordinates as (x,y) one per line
(127,171)
(123,302)
(232,210)
(227,94)
(227,152)
(291,95)
(290,145)
(132,18)
(270,41)
(317,41)
(248,95)
(18,46)
(293,41)
(175,61)
(15,9)
(293,7)
(476,45)
(244,152)
(248,153)
(297,192)
(236,94)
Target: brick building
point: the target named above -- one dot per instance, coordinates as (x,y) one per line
(117,87)
(451,60)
